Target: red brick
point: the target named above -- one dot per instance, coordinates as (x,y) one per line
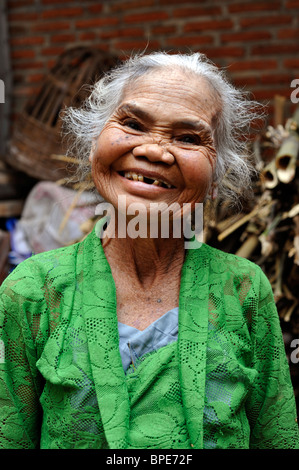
(27,41)
(224,52)
(245,81)
(25,16)
(17,30)
(35,78)
(173,2)
(253,6)
(269,93)
(25,91)
(276,79)
(23,54)
(145,17)
(51,2)
(62,12)
(245,36)
(245,30)
(27,65)
(88,36)
(200,11)
(265,21)
(136,4)
(50,64)
(126,32)
(51,26)
(257,64)
(95,22)
(292,63)
(109,34)
(12,4)
(52,51)
(134,44)
(288,33)
(265,49)
(102,47)
(118,33)
(212,25)
(163,29)
(189,41)
(95,8)
(63,38)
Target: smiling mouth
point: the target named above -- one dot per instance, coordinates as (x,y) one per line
(132,176)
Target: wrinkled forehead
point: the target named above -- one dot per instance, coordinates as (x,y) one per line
(175,84)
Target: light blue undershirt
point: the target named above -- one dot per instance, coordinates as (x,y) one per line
(134,343)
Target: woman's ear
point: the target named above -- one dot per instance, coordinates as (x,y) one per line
(92,151)
(213,192)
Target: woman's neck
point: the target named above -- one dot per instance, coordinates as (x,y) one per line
(146,260)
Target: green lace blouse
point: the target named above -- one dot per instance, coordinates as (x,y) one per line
(224,383)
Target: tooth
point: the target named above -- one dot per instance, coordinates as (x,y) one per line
(135,177)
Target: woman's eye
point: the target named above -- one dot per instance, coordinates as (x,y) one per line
(132,124)
(189,139)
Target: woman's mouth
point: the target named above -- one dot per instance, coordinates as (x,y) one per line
(133,176)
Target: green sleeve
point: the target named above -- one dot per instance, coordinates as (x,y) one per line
(271,405)
(20,383)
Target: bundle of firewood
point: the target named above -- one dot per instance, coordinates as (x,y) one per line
(266,231)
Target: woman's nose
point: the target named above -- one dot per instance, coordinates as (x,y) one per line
(154,153)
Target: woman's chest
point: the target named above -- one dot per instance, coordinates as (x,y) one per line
(139,309)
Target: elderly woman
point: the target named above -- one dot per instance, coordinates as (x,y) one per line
(137,342)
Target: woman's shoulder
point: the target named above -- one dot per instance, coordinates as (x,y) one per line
(32,274)
(46,261)
(225,259)
(230,266)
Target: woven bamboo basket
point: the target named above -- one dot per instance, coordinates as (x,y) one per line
(37,133)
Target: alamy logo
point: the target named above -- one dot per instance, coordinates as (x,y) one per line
(164,221)
(2,92)
(295,353)
(295,93)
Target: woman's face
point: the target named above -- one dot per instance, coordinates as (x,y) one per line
(158,145)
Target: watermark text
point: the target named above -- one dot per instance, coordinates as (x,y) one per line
(295,93)
(159,220)
(295,353)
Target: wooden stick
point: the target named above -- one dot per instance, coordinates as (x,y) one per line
(279,103)
(269,175)
(286,159)
(248,246)
(278,284)
(290,310)
(64,158)
(228,221)
(239,223)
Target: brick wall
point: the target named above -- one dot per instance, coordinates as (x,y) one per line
(257,41)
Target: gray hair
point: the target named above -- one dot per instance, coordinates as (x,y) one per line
(233,173)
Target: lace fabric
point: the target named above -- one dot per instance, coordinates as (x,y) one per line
(225,382)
